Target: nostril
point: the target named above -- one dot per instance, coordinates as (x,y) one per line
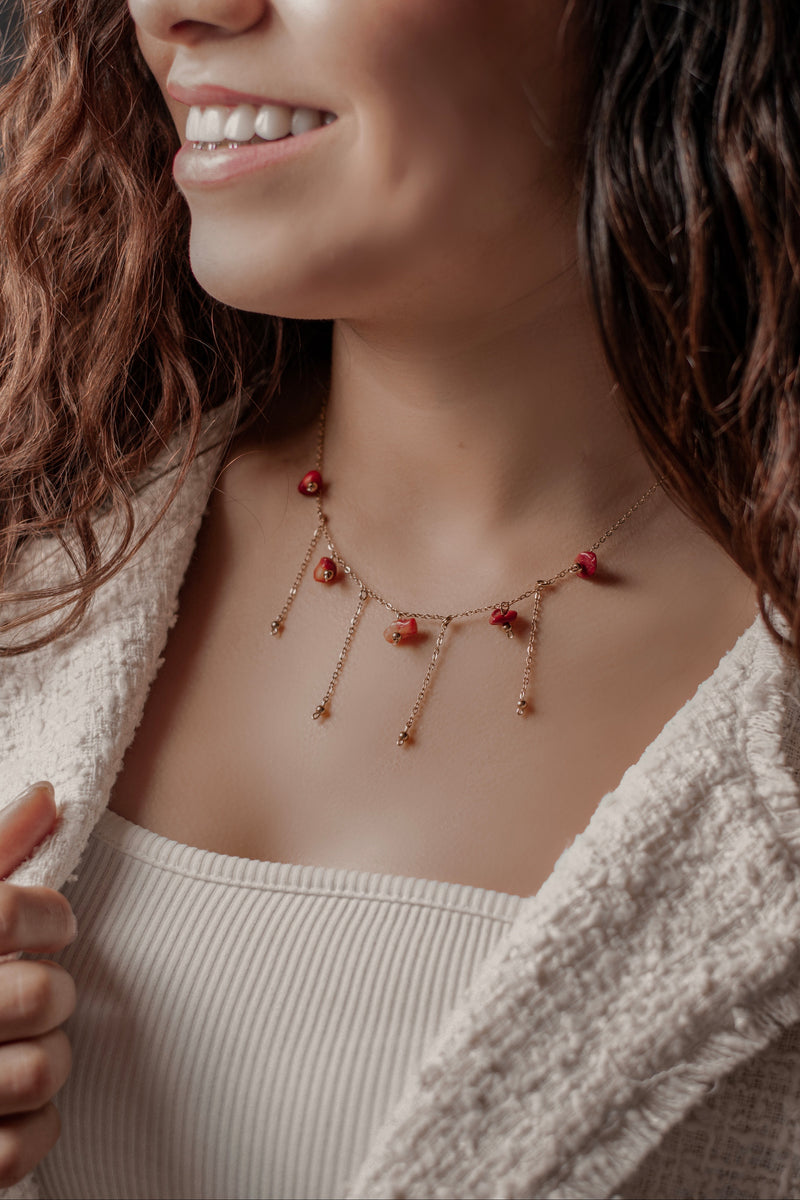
(231,18)
(188,32)
(161,19)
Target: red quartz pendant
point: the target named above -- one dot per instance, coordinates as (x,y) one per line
(587,561)
(310,484)
(399,630)
(325,570)
(503,616)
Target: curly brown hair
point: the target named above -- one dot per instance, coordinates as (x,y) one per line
(689,240)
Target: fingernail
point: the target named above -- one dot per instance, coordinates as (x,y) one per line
(19,800)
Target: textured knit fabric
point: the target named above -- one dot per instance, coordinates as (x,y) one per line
(639,1014)
(243,1027)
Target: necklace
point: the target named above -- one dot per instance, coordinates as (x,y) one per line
(404,626)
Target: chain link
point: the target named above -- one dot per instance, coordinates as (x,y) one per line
(356,617)
(323,530)
(276,624)
(403,737)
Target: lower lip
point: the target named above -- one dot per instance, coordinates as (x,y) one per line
(213,168)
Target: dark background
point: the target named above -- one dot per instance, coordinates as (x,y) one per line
(10,40)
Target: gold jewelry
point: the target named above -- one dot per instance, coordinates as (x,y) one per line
(404,625)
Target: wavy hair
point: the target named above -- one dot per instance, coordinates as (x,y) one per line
(689,240)
(690,237)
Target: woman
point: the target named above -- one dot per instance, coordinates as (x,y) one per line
(520,281)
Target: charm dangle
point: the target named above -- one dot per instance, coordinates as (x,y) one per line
(503,616)
(310,484)
(587,564)
(325,571)
(400,630)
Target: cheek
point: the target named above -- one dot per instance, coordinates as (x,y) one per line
(158,57)
(157,54)
(456,72)
(443,118)
(475,47)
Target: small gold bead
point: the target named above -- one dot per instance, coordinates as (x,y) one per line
(275,627)
(319,710)
(521,706)
(401,741)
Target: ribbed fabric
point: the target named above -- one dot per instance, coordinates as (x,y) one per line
(243,1027)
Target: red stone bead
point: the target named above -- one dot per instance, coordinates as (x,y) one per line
(310,484)
(325,570)
(398,631)
(587,561)
(499,617)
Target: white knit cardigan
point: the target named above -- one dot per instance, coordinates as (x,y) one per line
(635,1032)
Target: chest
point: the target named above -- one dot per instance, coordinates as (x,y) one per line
(229,758)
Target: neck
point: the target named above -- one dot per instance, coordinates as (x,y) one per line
(463,455)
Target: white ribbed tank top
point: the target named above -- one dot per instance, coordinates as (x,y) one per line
(243,1027)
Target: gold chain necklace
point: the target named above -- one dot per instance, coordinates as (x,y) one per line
(584,566)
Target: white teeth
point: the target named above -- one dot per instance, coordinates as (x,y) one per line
(212,123)
(193,124)
(304,119)
(273,121)
(220,123)
(241,124)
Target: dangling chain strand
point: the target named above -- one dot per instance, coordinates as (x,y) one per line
(403,738)
(523,702)
(275,627)
(503,614)
(356,617)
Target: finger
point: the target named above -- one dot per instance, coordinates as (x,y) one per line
(34,919)
(25,1140)
(35,997)
(24,823)
(31,1072)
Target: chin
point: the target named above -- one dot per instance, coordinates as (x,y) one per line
(250,287)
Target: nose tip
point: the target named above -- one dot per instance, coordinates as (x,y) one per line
(190,21)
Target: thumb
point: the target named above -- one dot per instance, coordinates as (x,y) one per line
(24,823)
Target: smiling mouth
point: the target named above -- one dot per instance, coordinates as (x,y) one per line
(218,126)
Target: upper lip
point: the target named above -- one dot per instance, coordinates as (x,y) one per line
(213,93)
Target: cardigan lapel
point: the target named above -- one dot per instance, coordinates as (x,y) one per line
(663,950)
(68,711)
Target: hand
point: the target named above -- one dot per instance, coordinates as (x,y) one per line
(35,996)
